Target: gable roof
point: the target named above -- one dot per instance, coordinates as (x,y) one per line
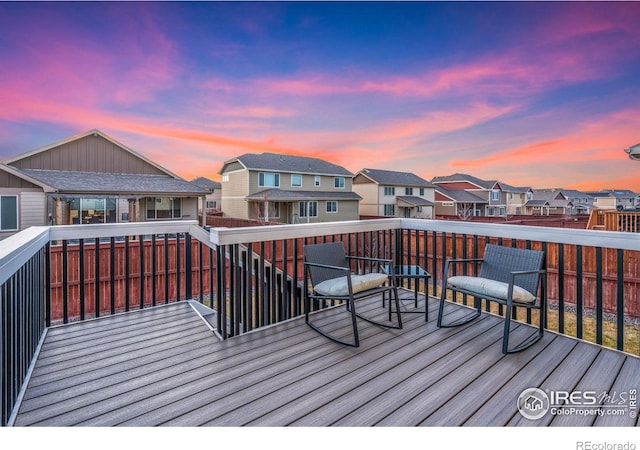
(391,177)
(459,177)
(276,162)
(95,132)
(206,183)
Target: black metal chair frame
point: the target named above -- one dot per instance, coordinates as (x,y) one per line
(334,263)
(505,264)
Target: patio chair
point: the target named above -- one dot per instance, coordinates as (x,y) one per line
(509,276)
(328,276)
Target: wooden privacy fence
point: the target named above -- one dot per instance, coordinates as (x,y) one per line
(125,274)
(597,276)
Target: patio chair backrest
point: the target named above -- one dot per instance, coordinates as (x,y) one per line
(331,254)
(499,261)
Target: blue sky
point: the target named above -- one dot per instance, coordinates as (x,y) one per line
(541,94)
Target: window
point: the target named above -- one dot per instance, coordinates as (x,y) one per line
(225,178)
(210,204)
(308,209)
(8,212)
(274,210)
(389,210)
(296,180)
(269,180)
(316,181)
(162,208)
(408,191)
(421,192)
(338,182)
(495,194)
(332,207)
(502,211)
(389,190)
(447,203)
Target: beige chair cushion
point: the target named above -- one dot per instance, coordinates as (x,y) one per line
(492,288)
(359,283)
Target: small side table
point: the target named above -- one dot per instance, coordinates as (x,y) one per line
(414,272)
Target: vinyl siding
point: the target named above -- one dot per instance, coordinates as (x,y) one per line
(88,154)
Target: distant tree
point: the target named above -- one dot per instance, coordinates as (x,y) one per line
(465,211)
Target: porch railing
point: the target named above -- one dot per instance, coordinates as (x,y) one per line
(252,277)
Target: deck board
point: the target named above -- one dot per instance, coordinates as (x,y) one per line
(163,366)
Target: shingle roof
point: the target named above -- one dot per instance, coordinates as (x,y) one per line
(457,177)
(282,195)
(113,183)
(206,183)
(415,201)
(289,163)
(391,177)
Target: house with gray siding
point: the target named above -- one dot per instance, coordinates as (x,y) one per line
(211,203)
(389,193)
(487,197)
(279,188)
(90,178)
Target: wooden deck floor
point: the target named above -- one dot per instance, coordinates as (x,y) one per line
(163,366)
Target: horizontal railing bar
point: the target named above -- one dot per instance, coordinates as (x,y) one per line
(17,249)
(68,232)
(230,236)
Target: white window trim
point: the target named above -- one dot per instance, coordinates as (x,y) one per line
(276,175)
(17,214)
(296,175)
(327,207)
(335,181)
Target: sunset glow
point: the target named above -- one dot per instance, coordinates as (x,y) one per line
(532,94)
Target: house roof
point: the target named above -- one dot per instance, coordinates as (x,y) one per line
(460,196)
(459,177)
(569,193)
(112,183)
(206,183)
(96,132)
(508,188)
(414,201)
(282,195)
(276,162)
(391,177)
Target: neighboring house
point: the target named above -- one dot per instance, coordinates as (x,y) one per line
(549,202)
(458,203)
(394,194)
(581,202)
(516,198)
(488,197)
(619,199)
(287,189)
(90,178)
(211,203)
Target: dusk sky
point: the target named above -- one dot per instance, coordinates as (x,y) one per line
(532,94)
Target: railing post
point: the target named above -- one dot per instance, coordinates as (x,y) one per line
(188,266)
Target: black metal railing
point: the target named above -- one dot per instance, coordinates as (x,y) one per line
(253,277)
(22,300)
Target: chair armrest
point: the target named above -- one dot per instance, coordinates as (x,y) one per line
(326,266)
(364,258)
